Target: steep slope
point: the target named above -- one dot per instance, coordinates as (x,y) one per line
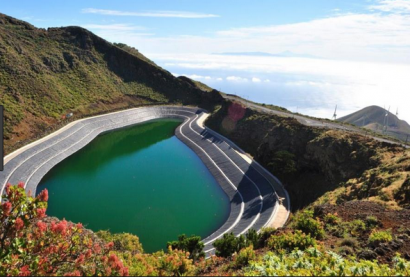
(313,161)
(45,74)
(374,118)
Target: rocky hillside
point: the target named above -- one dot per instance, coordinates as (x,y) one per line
(315,162)
(46,74)
(374,118)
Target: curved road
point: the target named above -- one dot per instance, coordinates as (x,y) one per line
(257,198)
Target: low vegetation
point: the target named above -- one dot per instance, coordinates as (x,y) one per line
(34,244)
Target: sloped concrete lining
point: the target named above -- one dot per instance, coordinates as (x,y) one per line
(257,198)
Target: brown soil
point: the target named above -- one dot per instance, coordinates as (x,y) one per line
(398,221)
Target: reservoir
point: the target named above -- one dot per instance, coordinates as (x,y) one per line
(140,180)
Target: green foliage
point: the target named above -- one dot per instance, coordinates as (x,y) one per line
(244,256)
(193,245)
(254,238)
(283,162)
(357,226)
(312,262)
(331,219)
(265,234)
(377,237)
(291,241)
(174,263)
(122,242)
(141,264)
(305,222)
(229,244)
(371,222)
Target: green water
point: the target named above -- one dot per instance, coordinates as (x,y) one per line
(141,180)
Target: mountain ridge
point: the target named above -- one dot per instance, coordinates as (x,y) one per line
(47,73)
(375,119)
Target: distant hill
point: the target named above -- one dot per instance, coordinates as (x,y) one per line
(374,118)
(45,74)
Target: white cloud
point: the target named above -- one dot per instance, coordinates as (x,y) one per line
(256,80)
(219,79)
(170,14)
(352,85)
(397,6)
(370,36)
(195,76)
(236,79)
(116,27)
(267,81)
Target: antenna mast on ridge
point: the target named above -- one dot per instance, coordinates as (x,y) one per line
(386,120)
(334,114)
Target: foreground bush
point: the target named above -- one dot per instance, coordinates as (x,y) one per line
(193,245)
(244,256)
(377,237)
(306,223)
(173,263)
(291,241)
(122,242)
(312,262)
(229,244)
(31,244)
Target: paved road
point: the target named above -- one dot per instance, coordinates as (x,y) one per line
(311,122)
(251,185)
(253,192)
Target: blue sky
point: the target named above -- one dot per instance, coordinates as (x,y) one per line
(229,13)
(350,53)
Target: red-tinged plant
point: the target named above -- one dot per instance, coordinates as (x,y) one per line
(175,263)
(34,245)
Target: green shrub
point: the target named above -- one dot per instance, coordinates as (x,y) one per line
(291,241)
(312,262)
(122,242)
(357,226)
(377,237)
(371,222)
(337,230)
(252,237)
(229,244)
(265,234)
(331,219)
(283,162)
(245,256)
(193,245)
(307,224)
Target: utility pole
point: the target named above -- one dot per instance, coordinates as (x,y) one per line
(386,121)
(335,114)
